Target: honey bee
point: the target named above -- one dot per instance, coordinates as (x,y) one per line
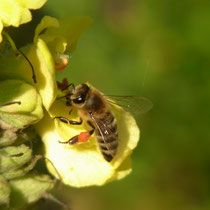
(94,107)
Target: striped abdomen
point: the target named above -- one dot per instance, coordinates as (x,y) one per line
(107,135)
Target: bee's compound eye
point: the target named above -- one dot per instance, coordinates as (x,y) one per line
(79,100)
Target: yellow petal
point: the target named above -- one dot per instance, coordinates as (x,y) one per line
(1,28)
(10,12)
(40,57)
(16,12)
(46,22)
(43,64)
(42,61)
(58,41)
(48,93)
(32,4)
(66,36)
(25,16)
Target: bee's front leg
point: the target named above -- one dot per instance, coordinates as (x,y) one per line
(71,122)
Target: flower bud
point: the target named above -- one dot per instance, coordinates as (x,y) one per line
(28,112)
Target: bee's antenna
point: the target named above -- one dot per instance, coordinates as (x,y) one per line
(69,94)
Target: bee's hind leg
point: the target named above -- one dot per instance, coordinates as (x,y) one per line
(82,137)
(73,140)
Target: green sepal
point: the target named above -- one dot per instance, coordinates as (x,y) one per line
(4,192)
(28,112)
(8,133)
(29,189)
(22,171)
(11,159)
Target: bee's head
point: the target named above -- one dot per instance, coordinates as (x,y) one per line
(79,94)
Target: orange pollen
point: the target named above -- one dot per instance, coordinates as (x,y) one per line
(83,136)
(62,63)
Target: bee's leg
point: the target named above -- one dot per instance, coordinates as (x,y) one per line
(73,140)
(68,103)
(71,84)
(69,94)
(70,111)
(82,137)
(71,122)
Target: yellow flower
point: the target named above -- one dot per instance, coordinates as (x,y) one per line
(40,54)
(60,37)
(83,164)
(16,12)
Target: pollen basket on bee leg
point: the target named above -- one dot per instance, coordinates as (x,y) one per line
(84,136)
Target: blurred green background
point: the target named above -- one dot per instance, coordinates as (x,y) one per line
(160,50)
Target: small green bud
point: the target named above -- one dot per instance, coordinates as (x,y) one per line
(24,114)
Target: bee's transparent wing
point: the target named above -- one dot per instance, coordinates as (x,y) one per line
(104,131)
(134,104)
